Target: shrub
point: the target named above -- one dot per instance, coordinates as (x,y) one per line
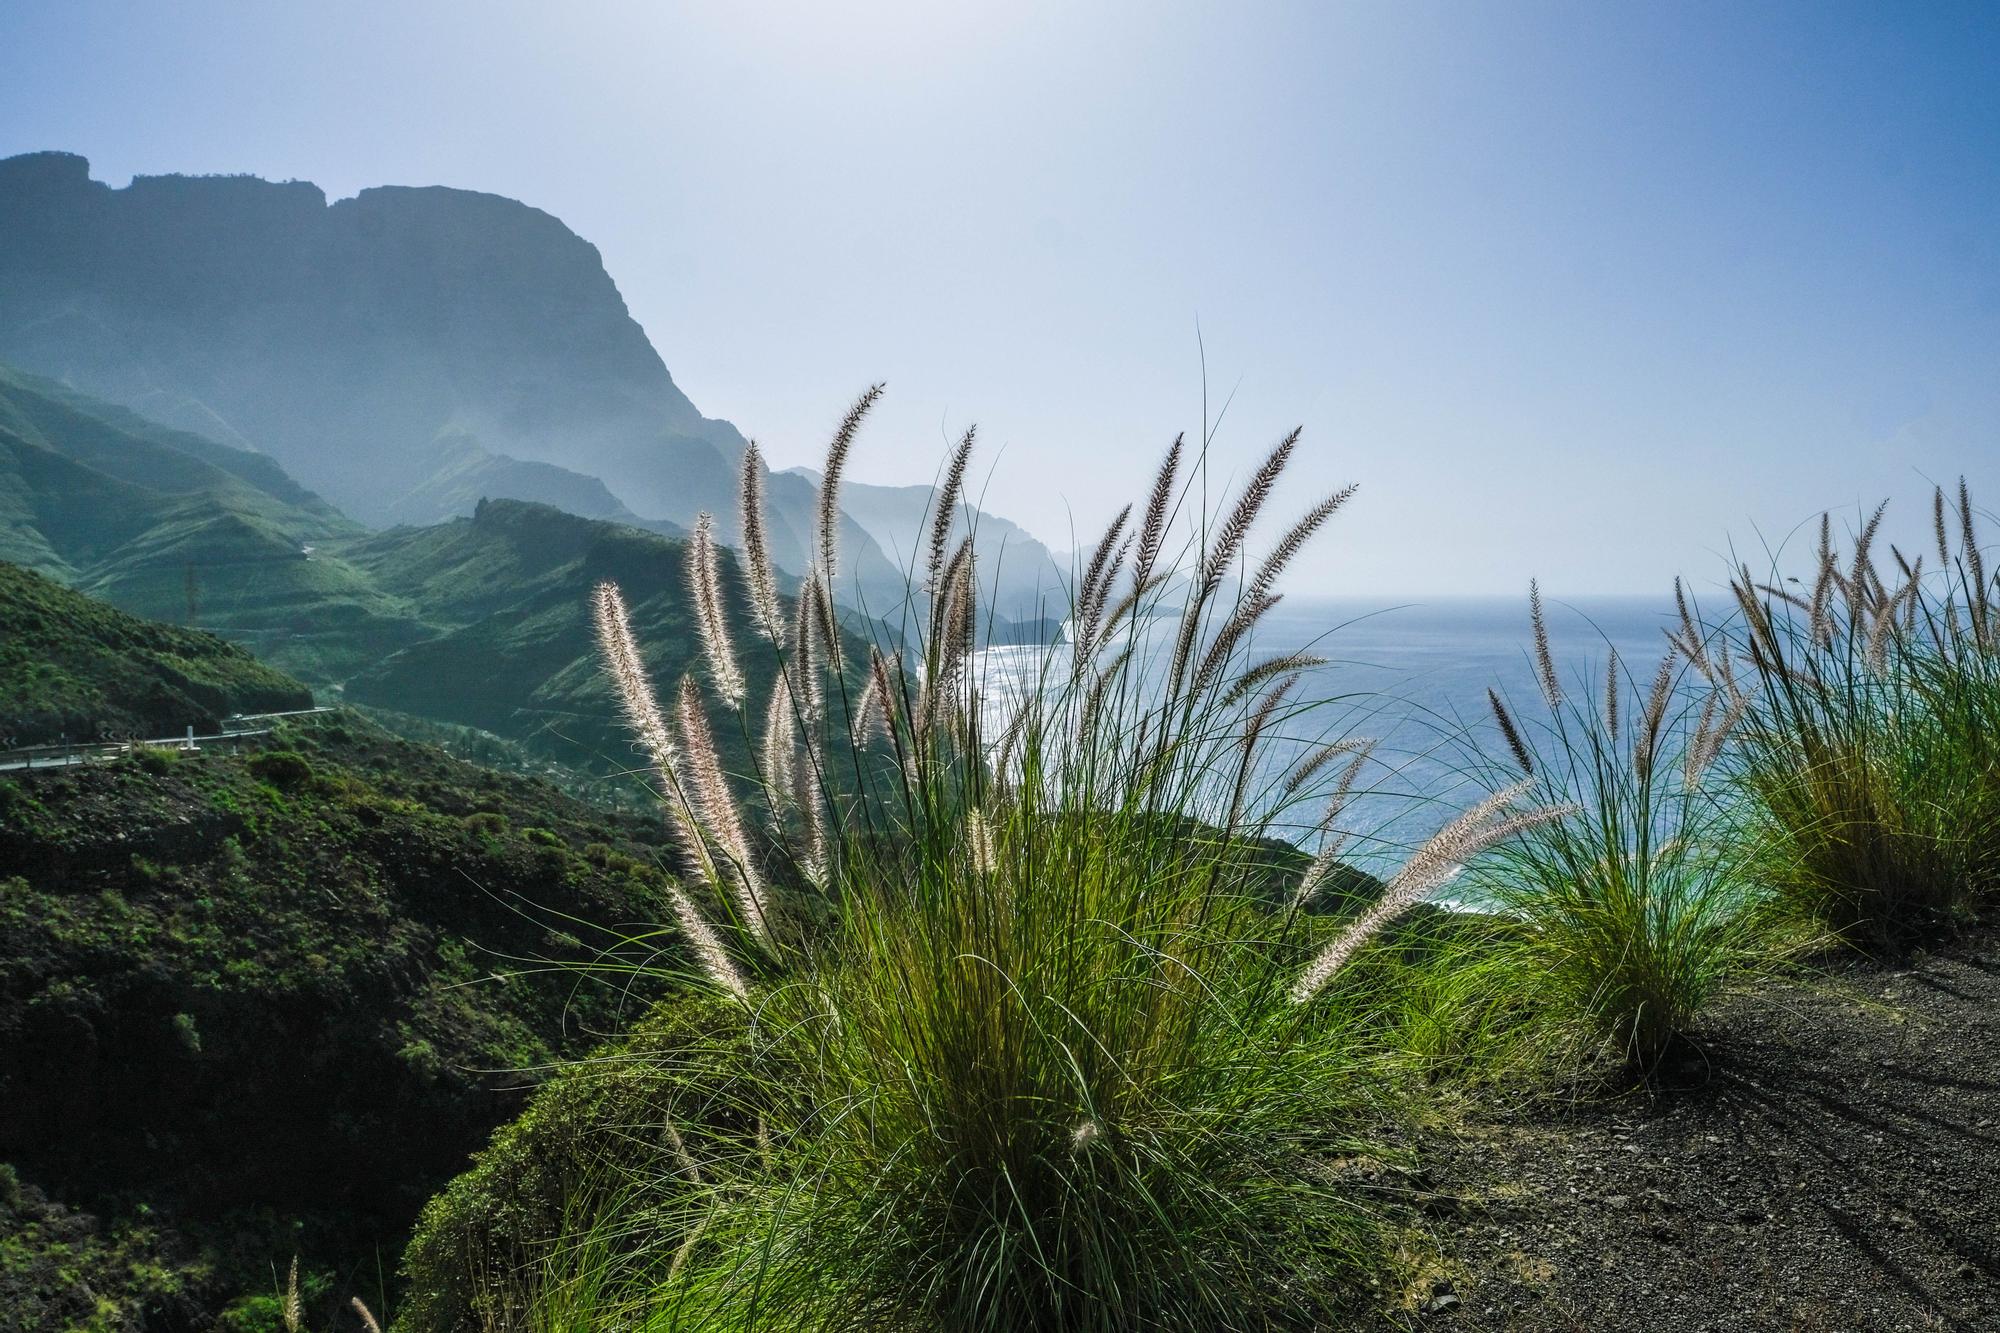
(598,1138)
(285,769)
(155,759)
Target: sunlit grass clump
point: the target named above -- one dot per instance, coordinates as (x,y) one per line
(1636,916)
(1045,1035)
(1867,755)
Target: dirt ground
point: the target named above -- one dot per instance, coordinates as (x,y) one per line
(1829,1160)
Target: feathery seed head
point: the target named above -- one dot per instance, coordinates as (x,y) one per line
(945,502)
(1510,732)
(780,740)
(1611,690)
(711,622)
(1545,663)
(829,485)
(979,841)
(1429,868)
(759,579)
(715,807)
(1154,532)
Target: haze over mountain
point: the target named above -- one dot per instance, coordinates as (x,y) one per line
(478,621)
(404,353)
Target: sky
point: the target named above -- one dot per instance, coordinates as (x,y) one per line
(1590,292)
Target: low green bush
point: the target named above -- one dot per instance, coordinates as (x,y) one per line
(601,1136)
(284,769)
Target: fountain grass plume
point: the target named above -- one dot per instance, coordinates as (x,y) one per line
(629,681)
(626,671)
(1332,838)
(808,653)
(716,805)
(1288,546)
(1305,771)
(1545,666)
(829,482)
(1512,733)
(1153,533)
(883,691)
(1253,733)
(809,796)
(1611,681)
(1235,629)
(779,742)
(759,579)
(705,591)
(1270,669)
(945,506)
(1939,530)
(1235,529)
(1229,538)
(1428,869)
(1977,604)
(1655,715)
(1095,589)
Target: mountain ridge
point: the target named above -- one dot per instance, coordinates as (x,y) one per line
(404,352)
(368,344)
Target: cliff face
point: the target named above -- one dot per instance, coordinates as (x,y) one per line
(365,344)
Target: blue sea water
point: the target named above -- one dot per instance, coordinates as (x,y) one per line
(1417,674)
(1414,675)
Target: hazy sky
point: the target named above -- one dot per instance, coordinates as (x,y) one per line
(1578,290)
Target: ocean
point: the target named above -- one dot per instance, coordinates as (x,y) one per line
(1414,675)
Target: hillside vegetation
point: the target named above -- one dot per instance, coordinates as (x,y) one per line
(175,527)
(70,666)
(471,622)
(259,1006)
(263,1004)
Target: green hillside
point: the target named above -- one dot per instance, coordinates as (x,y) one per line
(175,527)
(476,622)
(122,445)
(72,666)
(259,1006)
(509,588)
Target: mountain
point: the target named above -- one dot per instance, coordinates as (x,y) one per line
(71,666)
(478,622)
(404,353)
(1020,578)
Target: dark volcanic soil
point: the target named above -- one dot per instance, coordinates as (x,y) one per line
(1830,1162)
